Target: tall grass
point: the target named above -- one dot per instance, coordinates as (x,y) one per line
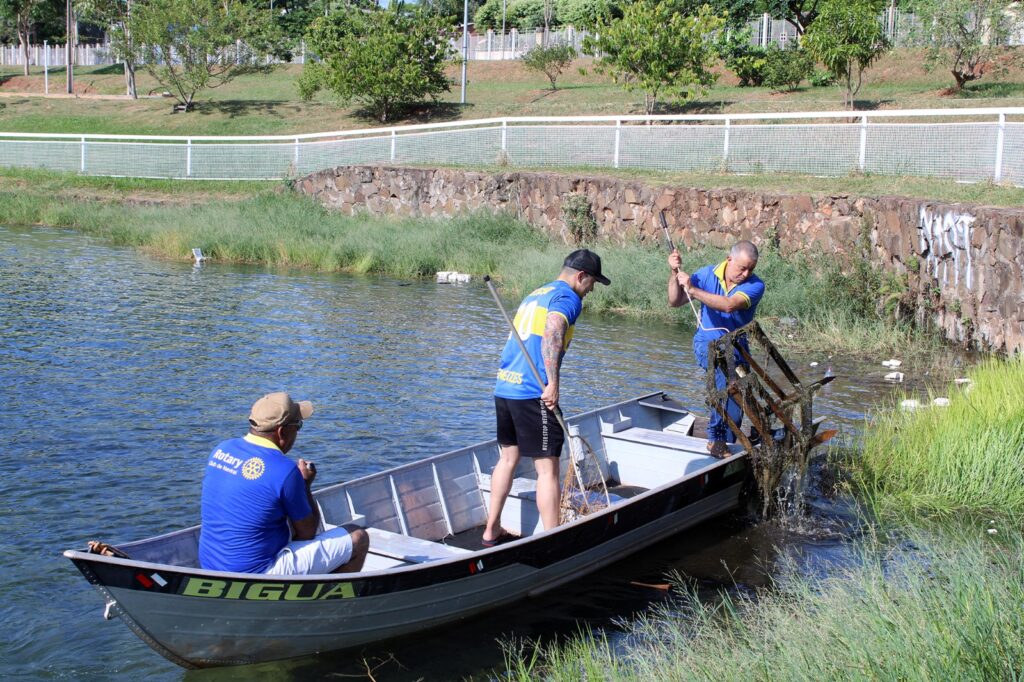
(945,606)
(965,457)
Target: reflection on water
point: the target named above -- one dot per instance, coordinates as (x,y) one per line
(120,372)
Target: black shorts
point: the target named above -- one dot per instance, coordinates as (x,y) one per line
(530,425)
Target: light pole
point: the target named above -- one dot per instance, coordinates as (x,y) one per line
(68,51)
(465,45)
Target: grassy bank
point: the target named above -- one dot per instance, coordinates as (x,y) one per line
(255,225)
(949,608)
(936,592)
(968,457)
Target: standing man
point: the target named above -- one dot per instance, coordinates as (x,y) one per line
(251,492)
(729,294)
(525,409)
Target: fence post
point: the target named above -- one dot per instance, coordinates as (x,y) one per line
(504,137)
(295,159)
(618,135)
(46,69)
(863,142)
(997,177)
(765,29)
(394,137)
(725,150)
(81,165)
(188,158)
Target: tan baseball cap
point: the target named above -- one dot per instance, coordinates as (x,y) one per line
(278,409)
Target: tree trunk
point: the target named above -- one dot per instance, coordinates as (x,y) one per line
(961,78)
(129,79)
(23,29)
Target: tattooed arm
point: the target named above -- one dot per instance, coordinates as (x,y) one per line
(552,348)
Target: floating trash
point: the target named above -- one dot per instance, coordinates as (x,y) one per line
(891,364)
(452,277)
(895,377)
(941,402)
(814,364)
(910,404)
(198,257)
(962,381)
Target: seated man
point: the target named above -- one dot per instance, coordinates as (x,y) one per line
(250,493)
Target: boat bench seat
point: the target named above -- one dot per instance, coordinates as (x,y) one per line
(663,439)
(409,549)
(522,488)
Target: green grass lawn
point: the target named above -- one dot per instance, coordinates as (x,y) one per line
(268,104)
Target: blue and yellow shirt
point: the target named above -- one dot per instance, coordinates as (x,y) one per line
(249,490)
(712,280)
(515,379)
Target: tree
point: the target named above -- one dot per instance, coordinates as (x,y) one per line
(550,60)
(800,13)
(387,60)
(654,47)
(191,45)
(847,38)
(20,16)
(585,14)
(965,36)
(115,14)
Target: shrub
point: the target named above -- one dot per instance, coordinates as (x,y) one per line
(579,218)
(821,78)
(585,14)
(787,67)
(550,60)
(747,61)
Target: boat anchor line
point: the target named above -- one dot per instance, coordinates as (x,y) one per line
(782,418)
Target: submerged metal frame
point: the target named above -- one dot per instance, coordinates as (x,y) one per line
(765,402)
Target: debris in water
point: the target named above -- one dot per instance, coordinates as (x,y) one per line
(895,377)
(814,364)
(941,402)
(910,404)
(451,277)
(891,364)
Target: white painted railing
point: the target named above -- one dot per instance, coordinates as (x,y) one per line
(969,145)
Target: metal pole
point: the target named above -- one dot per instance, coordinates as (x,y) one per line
(46,69)
(997,176)
(67,49)
(503,29)
(465,46)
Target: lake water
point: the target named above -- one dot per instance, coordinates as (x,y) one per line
(119,372)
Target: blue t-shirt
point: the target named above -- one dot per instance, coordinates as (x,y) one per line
(249,490)
(712,280)
(515,378)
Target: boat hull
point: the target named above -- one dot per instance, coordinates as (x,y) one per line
(199,618)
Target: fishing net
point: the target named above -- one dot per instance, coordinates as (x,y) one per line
(578,500)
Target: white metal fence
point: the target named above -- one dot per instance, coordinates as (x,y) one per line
(970,145)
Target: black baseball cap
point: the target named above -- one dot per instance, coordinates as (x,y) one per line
(586,261)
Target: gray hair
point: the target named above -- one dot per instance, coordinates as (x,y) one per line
(746,248)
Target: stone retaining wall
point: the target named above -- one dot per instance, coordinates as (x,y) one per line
(963,262)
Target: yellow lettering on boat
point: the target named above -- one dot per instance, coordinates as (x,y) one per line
(343,590)
(200,587)
(234,590)
(264,591)
(294,592)
(241,589)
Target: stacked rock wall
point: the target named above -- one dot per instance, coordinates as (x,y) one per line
(962,262)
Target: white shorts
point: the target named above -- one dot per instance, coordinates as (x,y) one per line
(322,554)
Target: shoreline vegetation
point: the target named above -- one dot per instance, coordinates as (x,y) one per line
(934,589)
(810,306)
